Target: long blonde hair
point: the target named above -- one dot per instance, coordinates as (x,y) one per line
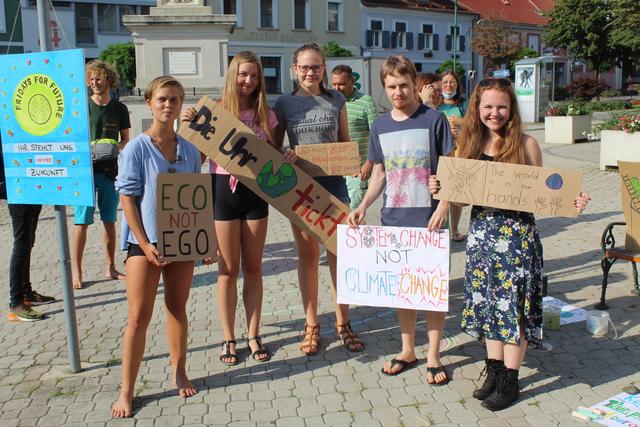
(231,93)
(474,133)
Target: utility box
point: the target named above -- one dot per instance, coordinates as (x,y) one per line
(536,84)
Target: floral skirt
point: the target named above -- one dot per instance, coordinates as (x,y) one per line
(503,277)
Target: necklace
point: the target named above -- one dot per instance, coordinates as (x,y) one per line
(167,155)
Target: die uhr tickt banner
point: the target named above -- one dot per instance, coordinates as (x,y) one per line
(45,128)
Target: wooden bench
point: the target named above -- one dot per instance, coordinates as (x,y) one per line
(610,254)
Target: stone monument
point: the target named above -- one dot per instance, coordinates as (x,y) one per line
(183,39)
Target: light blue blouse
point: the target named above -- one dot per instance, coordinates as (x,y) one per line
(138,167)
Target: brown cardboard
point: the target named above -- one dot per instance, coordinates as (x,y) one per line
(630,182)
(259,166)
(539,190)
(337,158)
(185,227)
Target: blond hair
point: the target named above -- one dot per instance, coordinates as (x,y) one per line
(399,65)
(231,93)
(159,83)
(474,133)
(105,70)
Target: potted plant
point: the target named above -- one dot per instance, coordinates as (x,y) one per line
(619,139)
(565,123)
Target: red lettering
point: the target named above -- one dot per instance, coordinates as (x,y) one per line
(304,197)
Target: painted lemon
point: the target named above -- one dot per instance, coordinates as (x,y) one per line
(38,104)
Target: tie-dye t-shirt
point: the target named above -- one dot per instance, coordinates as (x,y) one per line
(409,151)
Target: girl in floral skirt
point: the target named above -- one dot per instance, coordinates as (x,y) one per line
(503,277)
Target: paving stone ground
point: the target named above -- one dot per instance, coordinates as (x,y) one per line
(334,387)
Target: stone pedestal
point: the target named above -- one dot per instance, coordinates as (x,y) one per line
(183,39)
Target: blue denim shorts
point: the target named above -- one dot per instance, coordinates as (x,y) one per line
(336,185)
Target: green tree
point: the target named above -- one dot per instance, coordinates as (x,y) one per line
(334,50)
(581,26)
(123,57)
(448,65)
(491,40)
(625,33)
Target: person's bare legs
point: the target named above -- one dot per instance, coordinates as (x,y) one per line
(407,321)
(228,234)
(77,249)
(454,213)
(308,258)
(177,284)
(109,238)
(254,234)
(514,354)
(342,310)
(435,326)
(142,285)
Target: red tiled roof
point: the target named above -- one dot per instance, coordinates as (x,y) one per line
(436,5)
(510,11)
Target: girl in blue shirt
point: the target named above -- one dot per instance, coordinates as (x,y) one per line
(158,150)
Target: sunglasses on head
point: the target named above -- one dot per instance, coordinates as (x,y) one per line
(490,81)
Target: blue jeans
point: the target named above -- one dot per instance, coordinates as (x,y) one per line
(24,220)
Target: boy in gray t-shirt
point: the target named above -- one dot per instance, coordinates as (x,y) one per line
(404,145)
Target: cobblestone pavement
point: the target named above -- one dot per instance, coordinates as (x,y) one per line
(334,387)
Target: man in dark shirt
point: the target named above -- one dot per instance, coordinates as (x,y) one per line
(109,126)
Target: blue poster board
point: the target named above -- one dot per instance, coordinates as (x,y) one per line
(44,121)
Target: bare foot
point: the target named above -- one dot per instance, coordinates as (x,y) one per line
(112,273)
(122,408)
(185,387)
(76,280)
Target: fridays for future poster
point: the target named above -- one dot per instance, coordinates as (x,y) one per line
(44,122)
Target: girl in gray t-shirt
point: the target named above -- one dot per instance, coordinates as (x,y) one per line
(314,114)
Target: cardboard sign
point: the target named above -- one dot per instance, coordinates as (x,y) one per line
(630,181)
(401,267)
(259,166)
(338,158)
(185,216)
(544,191)
(620,410)
(44,121)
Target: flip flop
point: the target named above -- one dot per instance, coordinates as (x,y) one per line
(435,371)
(457,237)
(404,365)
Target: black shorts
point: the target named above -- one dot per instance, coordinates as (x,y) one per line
(243,204)
(135,250)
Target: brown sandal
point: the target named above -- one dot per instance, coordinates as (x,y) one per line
(310,344)
(349,339)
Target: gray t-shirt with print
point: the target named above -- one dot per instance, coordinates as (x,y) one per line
(310,119)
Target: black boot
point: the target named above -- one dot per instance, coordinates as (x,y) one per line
(507,391)
(492,369)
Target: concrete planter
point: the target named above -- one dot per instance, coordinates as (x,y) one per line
(618,145)
(565,129)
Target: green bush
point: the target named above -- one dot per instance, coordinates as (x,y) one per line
(610,93)
(578,108)
(123,57)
